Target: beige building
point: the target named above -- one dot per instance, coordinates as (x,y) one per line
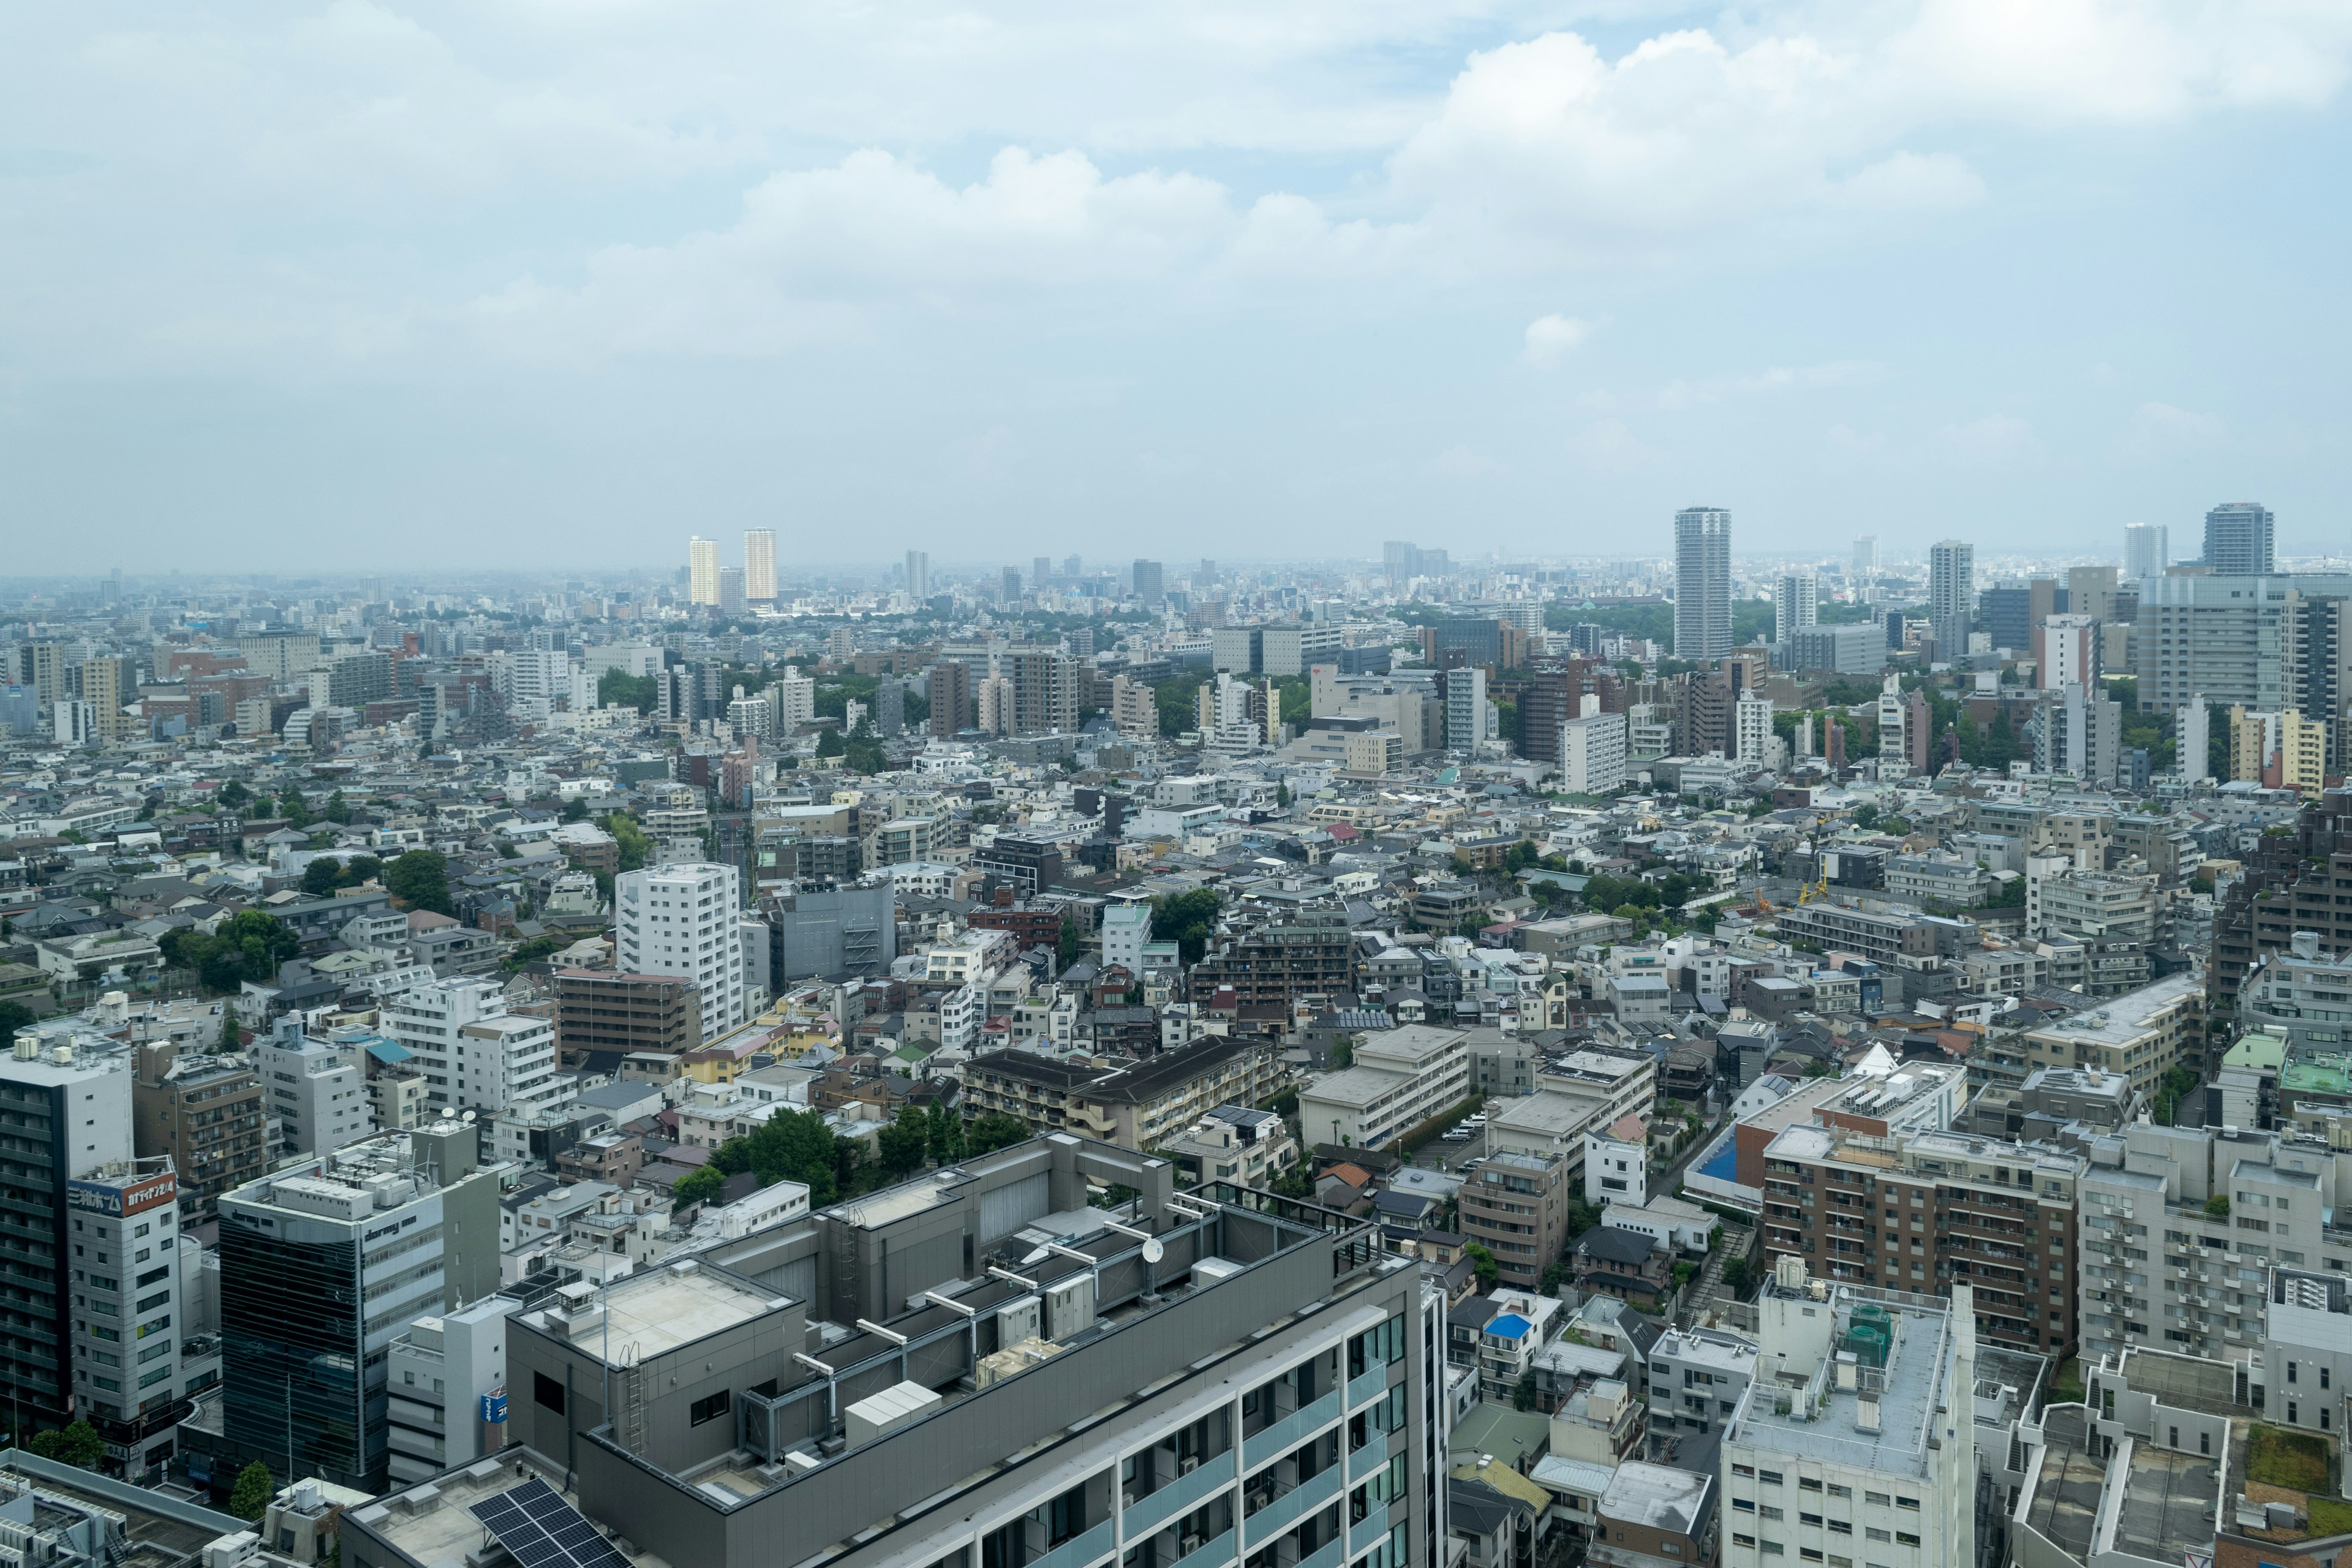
(2142,1035)
(1140,1106)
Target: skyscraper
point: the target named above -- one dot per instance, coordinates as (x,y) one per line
(1701,582)
(2237,540)
(1011,584)
(1796,605)
(2144,550)
(701,571)
(1150,584)
(919,574)
(1865,566)
(730,591)
(1951,595)
(759,565)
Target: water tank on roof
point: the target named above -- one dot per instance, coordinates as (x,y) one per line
(1871,1335)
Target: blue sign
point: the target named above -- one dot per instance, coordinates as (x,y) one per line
(494,1408)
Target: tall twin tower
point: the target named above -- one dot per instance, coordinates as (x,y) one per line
(729,588)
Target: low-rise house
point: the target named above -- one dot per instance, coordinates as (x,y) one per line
(1627,1264)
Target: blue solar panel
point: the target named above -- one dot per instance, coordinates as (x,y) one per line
(542,1530)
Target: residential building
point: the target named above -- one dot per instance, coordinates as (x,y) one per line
(830,934)
(1308,953)
(2145,550)
(1126,928)
(1951,595)
(2140,1036)
(1863,1439)
(760,565)
(1656,1516)
(1233,1143)
(1267,1387)
(1400,1078)
(702,570)
(2238,541)
(684,920)
(325,1264)
(1135,1105)
(1796,603)
(130,1351)
(1698,1377)
(1593,751)
(1134,709)
(1701,582)
(474,1054)
(601,1014)
(205,1114)
(1616,1162)
(1927,1211)
(1517,1207)
(316,1088)
(1855,649)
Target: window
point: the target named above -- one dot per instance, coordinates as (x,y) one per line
(1744,1505)
(1768,1511)
(546,1391)
(1747,1470)
(1881,1499)
(1809,1555)
(1743,1541)
(709,1409)
(1769,1478)
(1837,1490)
(1902,1539)
(1840,1527)
(1771,1549)
(2290,1372)
(1910,1502)
(1878,1534)
(1807,1484)
(1812,1519)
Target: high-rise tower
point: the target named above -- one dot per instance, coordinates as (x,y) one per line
(1701,582)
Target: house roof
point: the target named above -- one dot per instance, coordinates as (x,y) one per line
(1608,1243)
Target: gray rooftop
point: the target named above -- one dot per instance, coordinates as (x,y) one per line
(1819,1420)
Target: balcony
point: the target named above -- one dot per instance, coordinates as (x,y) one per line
(1361,1537)
(1080,1550)
(1287,1510)
(1218,1551)
(1287,1432)
(1363,1390)
(1370,1457)
(1331,1556)
(1180,1495)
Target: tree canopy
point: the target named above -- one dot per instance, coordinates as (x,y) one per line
(420,879)
(1187,920)
(249,946)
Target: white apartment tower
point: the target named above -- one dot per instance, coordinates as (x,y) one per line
(1752,737)
(702,570)
(316,1090)
(1701,582)
(919,574)
(1865,566)
(2145,547)
(474,1054)
(760,565)
(1592,750)
(1796,603)
(1857,1436)
(2192,735)
(685,919)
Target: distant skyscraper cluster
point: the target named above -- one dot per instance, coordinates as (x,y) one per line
(730,590)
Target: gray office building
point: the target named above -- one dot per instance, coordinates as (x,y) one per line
(1151,582)
(323,1265)
(978,1369)
(1951,595)
(1701,582)
(831,934)
(2238,541)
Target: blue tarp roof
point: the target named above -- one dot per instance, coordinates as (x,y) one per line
(1508,1326)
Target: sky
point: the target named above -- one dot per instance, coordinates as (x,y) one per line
(561,283)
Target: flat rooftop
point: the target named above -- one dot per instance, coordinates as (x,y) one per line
(1918,1366)
(432,1523)
(2119,1020)
(656,1312)
(2168,1507)
(2064,1507)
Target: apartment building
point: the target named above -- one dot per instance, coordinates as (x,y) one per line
(1861,1442)
(2090,903)
(2139,1036)
(439,1374)
(1882,938)
(1310,953)
(1402,1076)
(205,1114)
(1929,1211)
(2180,1225)
(1260,1389)
(1134,1106)
(684,920)
(474,1054)
(1698,1377)
(1517,1207)
(602,1015)
(315,1089)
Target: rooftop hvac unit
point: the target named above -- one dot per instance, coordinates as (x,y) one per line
(1018,1320)
(1069,1306)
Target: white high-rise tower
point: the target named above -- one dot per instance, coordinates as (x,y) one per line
(701,571)
(759,565)
(1701,582)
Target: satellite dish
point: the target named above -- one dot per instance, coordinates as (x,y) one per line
(1153,1251)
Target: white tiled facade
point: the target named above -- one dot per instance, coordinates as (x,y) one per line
(681,920)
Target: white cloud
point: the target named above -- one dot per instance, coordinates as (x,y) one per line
(2162,423)
(1611,446)
(1996,437)
(1551,338)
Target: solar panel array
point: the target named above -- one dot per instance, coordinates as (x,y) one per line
(542,1530)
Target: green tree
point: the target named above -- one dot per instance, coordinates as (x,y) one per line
(1070,942)
(789,1146)
(420,879)
(829,742)
(1866,816)
(638,691)
(1187,920)
(944,1131)
(360,869)
(698,1185)
(2218,1206)
(1282,795)
(1735,1277)
(250,1498)
(904,1143)
(294,809)
(14,1015)
(1482,1264)
(995,1130)
(338,809)
(319,877)
(78,1445)
(233,793)
(576,810)
(1523,1396)
(635,848)
(230,1039)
